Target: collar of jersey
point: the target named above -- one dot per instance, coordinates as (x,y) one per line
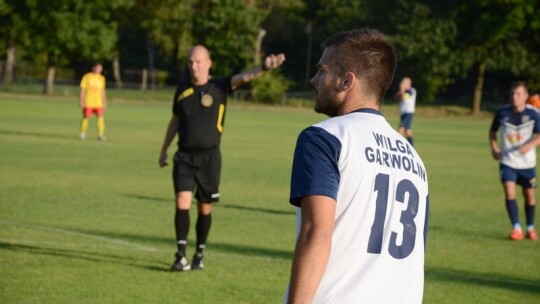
(367,110)
(201,87)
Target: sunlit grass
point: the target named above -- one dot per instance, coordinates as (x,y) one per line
(92,222)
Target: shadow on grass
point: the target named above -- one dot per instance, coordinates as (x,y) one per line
(148,240)
(34,134)
(470,233)
(246,250)
(131,241)
(256,209)
(218,205)
(84,255)
(139,262)
(150,198)
(482,279)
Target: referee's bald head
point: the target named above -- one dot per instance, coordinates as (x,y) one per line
(200,50)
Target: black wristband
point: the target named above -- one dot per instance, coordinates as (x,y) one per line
(263,66)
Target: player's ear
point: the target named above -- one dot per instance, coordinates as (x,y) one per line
(348,81)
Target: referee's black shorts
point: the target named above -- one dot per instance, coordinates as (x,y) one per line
(200,170)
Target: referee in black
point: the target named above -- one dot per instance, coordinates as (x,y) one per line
(198,116)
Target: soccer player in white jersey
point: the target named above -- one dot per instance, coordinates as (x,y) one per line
(519,125)
(407,103)
(360,187)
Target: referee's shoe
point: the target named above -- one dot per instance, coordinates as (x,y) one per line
(180,263)
(197,263)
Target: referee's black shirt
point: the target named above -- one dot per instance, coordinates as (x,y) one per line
(200,124)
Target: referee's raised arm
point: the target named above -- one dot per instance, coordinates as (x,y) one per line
(270,62)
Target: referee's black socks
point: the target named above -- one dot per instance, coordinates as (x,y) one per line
(204,222)
(181,223)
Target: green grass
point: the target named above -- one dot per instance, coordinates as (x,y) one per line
(72,91)
(92,222)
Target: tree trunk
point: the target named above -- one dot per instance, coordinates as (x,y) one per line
(10,64)
(477,97)
(151,62)
(144,83)
(309,32)
(258,47)
(116,72)
(48,89)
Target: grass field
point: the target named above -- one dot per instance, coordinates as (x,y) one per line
(92,222)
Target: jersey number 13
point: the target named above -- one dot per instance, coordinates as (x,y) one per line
(382,182)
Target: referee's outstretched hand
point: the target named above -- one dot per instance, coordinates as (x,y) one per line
(274,61)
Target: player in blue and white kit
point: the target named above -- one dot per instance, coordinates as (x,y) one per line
(518,125)
(407,104)
(361,188)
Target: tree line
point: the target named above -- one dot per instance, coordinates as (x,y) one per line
(440,44)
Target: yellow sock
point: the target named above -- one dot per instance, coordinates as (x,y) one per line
(101,125)
(84,125)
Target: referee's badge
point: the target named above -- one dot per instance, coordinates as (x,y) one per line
(207,100)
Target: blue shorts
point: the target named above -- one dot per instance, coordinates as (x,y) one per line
(526,178)
(406,120)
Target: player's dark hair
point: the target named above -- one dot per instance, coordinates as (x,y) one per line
(368,54)
(96,64)
(517,84)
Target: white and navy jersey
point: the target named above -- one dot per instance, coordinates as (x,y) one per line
(516,129)
(381,189)
(408,101)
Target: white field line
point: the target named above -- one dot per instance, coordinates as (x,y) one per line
(61,244)
(81,246)
(114,242)
(110,240)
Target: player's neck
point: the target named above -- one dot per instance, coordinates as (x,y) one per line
(355,103)
(518,108)
(199,81)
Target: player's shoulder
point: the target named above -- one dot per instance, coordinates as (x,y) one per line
(355,122)
(314,131)
(531,110)
(318,136)
(220,79)
(334,126)
(221,82)
(315,144)
(504,110)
